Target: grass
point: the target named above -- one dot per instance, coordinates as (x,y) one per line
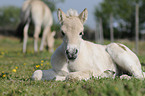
(16,69)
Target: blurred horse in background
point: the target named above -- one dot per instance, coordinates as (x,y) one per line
(40,14)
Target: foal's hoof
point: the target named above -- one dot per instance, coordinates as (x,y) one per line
(37,75)
(125,77)
(72,77)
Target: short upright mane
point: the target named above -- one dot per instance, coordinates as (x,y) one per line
(72,12)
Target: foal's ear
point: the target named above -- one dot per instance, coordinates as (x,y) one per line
(84,15)
(61,15)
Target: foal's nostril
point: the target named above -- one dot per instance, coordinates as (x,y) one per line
(71,54)
(76,51)
(67,52)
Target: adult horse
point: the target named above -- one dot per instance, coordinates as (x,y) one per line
(39,13)
(78,59)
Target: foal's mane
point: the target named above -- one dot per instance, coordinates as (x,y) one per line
(72,12)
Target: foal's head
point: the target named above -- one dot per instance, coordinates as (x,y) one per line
(72,31)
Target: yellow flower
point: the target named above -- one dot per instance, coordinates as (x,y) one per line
(14,70)
(4,75)
(2,53)
(2,71)
(24,64)
(16,67)
(42,61)
(41,64)
(37,66)
(116,88)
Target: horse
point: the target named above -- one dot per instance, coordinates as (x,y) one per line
(40,14)
(78,59)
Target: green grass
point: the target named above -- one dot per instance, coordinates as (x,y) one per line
(19,83)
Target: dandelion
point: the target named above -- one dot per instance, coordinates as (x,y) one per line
(24,64)
(14,70)
(41,64)
(16,67)
(42,61)
(2,53)
(116,88)
(4,75)
(37,66)
(2,71)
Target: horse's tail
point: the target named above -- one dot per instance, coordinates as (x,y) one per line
(25,18)
(19,31)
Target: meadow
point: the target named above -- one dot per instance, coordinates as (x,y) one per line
(17,68)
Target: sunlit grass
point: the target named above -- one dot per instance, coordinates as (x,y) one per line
(17,68)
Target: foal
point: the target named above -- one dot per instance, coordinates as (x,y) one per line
(78,59)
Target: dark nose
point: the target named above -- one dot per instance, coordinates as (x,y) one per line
(71,54)
(75,51)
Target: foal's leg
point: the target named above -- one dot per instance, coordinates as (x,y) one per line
(25,37)
(46,75)
(36,37)
(125,59)
(79,75)
(45,34)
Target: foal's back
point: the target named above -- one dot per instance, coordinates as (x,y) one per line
(98,56)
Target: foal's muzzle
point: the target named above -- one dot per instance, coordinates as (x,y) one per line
(71,54)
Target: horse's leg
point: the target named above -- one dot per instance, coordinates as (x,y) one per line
(46,75)
(25,37)
(50,41)
(36,37)
(45,34)
(125,59)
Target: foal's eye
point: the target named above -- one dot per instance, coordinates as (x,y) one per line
(63,34)
(81,33)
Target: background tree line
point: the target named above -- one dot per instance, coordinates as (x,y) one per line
(117,17)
